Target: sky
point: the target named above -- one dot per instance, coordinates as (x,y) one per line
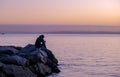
(60,12)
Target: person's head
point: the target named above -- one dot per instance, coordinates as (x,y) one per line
(41,36)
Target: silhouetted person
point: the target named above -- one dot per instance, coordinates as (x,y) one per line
(40,43)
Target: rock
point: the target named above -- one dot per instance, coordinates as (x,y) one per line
(36,57)
(27,61)
(2,74)
(41,56)
(8,50)
(53,66)
(43,53)
(18,48)
(1,65)
(41,69)
(8,60)
(44,69)
(14,59)
(26,50)
(17,71)
(20,60)
(51,56)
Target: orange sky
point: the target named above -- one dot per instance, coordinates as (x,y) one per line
(67,12)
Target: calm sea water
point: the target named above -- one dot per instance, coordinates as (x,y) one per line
(79,55)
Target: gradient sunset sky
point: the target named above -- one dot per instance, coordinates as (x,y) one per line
(60,12)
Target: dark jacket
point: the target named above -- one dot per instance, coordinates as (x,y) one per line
(40,43)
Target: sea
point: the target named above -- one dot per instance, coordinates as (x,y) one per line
(79,55)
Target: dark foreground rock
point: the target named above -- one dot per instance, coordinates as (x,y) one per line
(8,50)
(27,62)
(17,71)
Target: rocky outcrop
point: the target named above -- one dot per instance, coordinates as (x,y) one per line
(18,71)
(27,62)
(8,50)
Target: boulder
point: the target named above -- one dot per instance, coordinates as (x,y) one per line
(8,60)
(17,71)
(20,60)
(41,69)
(51,56)
(18,48)
(14,59)
(27,61)
(41,57)
(2,74)
(43,52)
(8,50)
(1,64)
(26,50)
(53,66)
(36,57)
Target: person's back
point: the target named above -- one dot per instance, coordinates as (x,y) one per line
(40,42)
(37,44)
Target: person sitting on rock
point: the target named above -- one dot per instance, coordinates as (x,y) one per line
(40,43)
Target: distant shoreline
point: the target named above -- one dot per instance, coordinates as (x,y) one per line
(58,29)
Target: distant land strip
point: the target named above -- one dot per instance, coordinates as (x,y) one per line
(58,29)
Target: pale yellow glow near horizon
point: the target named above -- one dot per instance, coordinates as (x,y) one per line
(68,12)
